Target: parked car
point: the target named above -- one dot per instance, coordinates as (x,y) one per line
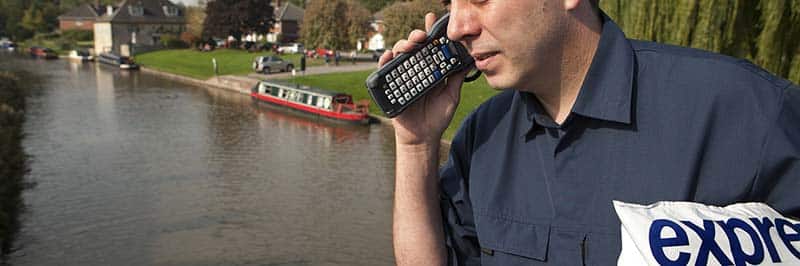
(41,52)
(291,48)
(267,64)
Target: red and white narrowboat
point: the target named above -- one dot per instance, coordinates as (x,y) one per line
(314,101)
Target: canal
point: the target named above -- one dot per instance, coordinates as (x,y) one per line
(133,169)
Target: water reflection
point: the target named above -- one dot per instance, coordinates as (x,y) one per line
(133,169)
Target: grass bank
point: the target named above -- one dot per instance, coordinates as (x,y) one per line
(198,65)
(472,95)
(12,156)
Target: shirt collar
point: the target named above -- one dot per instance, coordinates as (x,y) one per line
(607,89)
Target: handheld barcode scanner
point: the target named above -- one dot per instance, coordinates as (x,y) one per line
(405,78)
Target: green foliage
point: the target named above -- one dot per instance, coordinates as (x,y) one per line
(78,35)
(173,42)
(33,20)
(375,5)
(195,16)
(334,24)
(237,17)
(764,32)
(403,17)
(12,155)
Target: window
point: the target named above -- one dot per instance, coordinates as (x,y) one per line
(170,11)
(265,89)
(136,10)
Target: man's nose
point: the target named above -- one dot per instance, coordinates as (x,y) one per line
(464,23)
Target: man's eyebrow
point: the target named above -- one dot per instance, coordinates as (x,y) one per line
(445,2)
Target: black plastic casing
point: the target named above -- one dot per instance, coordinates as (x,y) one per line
(376,82)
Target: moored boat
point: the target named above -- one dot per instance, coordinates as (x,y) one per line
(123,62)
(80,55)
(315,101)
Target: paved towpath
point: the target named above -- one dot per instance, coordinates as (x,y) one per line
(342,67)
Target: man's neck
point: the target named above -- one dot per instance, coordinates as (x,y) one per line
(558,97)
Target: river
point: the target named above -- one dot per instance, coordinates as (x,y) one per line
(134,169)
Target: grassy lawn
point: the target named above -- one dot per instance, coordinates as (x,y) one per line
(472,95)
(198,65)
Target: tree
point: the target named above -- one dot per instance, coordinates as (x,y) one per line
(334,24)
(195,17)
(403,17)
(237,17)
(375,5)
(764,32)
(33,20)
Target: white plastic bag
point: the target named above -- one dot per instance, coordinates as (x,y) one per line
(687,233)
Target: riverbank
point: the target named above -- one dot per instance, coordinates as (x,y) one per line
(12,155)
(197,64)
(194,67)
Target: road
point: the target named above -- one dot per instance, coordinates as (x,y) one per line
(342,67)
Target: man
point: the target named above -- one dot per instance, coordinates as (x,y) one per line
(586,116)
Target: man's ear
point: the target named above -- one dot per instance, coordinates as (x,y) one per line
(570,5)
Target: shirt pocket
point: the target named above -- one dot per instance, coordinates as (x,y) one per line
(509,242)
(602,248)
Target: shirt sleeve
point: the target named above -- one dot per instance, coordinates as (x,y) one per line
(778,177)
(459,224)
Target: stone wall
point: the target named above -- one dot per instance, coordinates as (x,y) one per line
(103,41)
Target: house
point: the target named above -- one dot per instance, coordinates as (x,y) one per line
(81,17)
(288,18)
(136,26)
(375,39)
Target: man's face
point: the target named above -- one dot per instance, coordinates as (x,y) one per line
(513,42)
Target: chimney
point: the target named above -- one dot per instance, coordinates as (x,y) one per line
(109,10)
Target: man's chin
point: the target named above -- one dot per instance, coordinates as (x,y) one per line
(498,81)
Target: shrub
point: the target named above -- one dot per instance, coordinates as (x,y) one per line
(78,35)
(173,42)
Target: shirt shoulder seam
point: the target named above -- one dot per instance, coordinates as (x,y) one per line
(740,63)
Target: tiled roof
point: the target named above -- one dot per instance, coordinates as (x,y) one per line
(153,11)
(84,11)
(290,12)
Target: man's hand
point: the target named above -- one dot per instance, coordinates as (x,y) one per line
(425,120)
(417,222)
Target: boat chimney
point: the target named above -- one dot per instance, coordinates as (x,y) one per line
(109,10)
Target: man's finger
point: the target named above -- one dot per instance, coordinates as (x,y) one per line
(403,46)
(430,18)
(385,57)
(417,36)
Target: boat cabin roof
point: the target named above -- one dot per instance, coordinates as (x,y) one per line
(293,86)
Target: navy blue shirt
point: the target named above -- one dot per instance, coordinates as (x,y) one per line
(652,122)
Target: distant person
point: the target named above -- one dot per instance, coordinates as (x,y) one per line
(337,55)
(303,63)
